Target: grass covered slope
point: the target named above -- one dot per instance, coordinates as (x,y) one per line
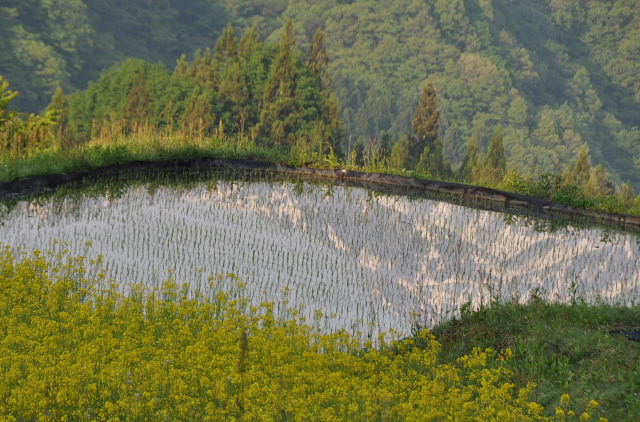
(74,350)
(560,347)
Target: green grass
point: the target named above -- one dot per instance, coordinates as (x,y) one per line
(561,348)
(101,154)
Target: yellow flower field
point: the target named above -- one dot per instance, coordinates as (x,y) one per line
(71,350)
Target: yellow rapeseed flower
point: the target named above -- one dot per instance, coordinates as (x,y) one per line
(71,351)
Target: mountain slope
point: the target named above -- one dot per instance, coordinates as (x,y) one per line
(44,44)
(557,75)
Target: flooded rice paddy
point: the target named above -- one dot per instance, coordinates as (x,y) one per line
(368,262)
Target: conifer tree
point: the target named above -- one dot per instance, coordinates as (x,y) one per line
(581,170)
(136,108)
(626,195)
(318,59)
(59,106)
(335,125)
(425,146)
(206,70)
(599,183)
(496,158)
(471,161)
(425,121)
(431,161)
(199,117)
(399,154)
(254,68)
(281,82)
(278,114)
(226,46)
(236,95)
(184,67)
(249,43)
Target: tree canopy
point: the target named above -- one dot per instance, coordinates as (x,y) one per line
(270,93)
(558,76)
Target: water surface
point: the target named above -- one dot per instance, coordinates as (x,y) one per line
(368,262)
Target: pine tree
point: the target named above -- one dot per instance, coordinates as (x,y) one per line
(425,122)
(318,64)
(626,195)
(471,162)
(278,116)
(184,67)
(580,172)
(236,96)
(496,158)
(59,107)
(198,118)
(399,154)
(206,70)
(138,100)
(253,60)
(226,46)
(431,161)
(60,104)
(599,183)
(249,43)
(281,82)
(318,59)
(335,125)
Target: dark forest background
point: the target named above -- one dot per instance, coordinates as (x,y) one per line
(558,77)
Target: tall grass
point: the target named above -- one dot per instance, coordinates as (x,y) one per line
(118,145)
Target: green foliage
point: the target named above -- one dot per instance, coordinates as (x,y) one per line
(561,348)
(471,162)
(269,94)
(425,128)
(24,134)
(495,155)
(558,76)
(6,96)
(44,44)
(495,161)
(399,157)
(432,163)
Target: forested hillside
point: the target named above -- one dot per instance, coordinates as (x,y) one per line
(556,75)
(68,43)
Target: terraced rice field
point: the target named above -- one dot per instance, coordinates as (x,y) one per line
(345,257)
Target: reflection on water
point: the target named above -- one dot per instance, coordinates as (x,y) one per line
(386,260)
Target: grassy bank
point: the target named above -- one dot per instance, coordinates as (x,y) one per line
(561,348)
(122,150)
(155,146)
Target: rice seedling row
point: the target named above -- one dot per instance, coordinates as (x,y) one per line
(343,257)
